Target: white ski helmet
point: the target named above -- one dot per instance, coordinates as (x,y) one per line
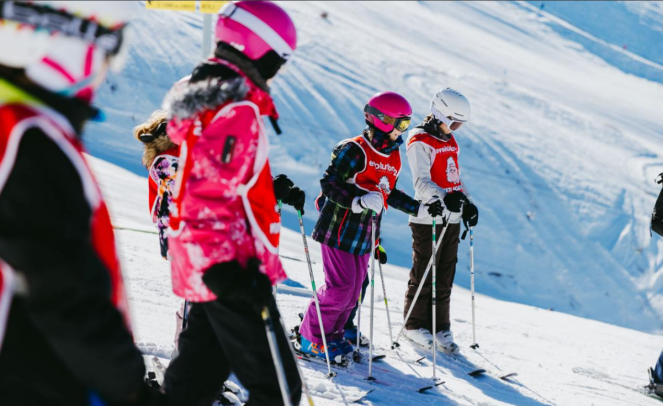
(451,108)
(64,46)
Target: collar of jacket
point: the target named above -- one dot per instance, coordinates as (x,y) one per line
(382,142)
(432,127)
(15,89)
(187,101)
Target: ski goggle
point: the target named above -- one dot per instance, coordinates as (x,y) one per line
(452,123)
(109,40)
(399,123)
(149,137)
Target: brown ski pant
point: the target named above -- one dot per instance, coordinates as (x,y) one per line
(447,256)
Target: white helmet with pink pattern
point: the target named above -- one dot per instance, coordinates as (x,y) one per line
(64,46)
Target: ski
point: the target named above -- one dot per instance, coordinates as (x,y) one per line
(427,388)
(379,357)
(159,370)
(506,377)
(362,397)
(477,372)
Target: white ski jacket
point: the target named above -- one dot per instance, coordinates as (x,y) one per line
(421,157)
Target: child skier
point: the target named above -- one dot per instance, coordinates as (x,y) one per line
(360,180)
(656,373)
(350,328)
(63,309)
(225,226)
(161,158)
(432,152)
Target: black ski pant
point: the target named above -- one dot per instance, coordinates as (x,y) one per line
(223,337)
(447,256)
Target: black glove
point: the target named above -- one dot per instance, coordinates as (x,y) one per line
(454,201)
(470,215)
(381,254)
(282,185)
(435,209)
(230,281)
(296,198)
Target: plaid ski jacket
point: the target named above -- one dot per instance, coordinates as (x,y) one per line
(338,226)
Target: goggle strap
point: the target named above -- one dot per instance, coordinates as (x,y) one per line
(46,18)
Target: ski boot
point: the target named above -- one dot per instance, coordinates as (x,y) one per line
(345,345)
(422,337)
(351,335)
(445,342)
(317,351)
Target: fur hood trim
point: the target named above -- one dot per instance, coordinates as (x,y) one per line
(186,100)
(155,148)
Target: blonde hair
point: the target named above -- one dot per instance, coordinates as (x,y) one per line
(160,144)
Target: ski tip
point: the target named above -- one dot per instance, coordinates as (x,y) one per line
(420,359)
(424,389)
(395,345)
(507,376)
(474,346)
(370,378)
(477,372)
(379,357)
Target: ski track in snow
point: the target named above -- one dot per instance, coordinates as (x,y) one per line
(560,359)
(560,152)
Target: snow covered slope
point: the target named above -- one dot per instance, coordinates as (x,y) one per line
(560,153)
(560,359)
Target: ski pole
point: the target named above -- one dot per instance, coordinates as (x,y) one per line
(370,338)
(474,345)
(434,301)
(445,222)
(386,304)
(330,374)
(294,357)
(278,247)
(185,314)
(276,355)
(357,354)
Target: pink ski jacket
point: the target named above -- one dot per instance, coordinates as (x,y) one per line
(225,208)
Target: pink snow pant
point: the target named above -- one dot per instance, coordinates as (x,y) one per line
(344,275)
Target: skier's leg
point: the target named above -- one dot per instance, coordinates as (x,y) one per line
(360,265)
(335,297)
(196,376)
(241,332)
(351,323)
(446,271)
(421,253)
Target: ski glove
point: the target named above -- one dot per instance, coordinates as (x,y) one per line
(454,201)
(296,198)
(232,282)
(371,201)
(470,215)
(282,185)
(433,207)
(380,254)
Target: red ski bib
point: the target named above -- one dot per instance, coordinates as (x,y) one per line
(380,172)
(15,120)
(444,171)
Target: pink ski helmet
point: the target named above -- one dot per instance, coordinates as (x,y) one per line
(261,30)
(388,110)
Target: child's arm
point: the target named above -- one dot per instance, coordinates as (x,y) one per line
(347,160)
(419,158)
(401,201)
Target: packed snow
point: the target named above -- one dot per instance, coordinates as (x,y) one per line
(560,153)
(560,359)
